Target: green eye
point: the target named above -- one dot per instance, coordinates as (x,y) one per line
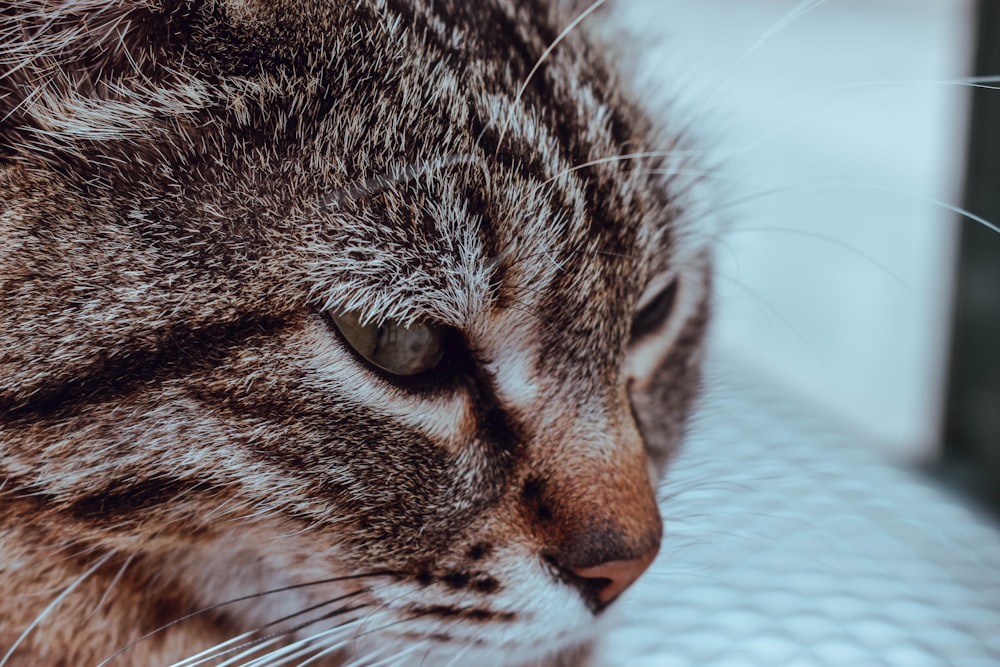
(392,347)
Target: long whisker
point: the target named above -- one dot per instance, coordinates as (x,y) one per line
(385,605)
(847,247)
(965,213)
(395,658)
(324,651)
(623,158)
(393,624)
(774,312)
(308,648)
(258,642)
(66,553)
(981,82)
(243,598)
(221,649)
(798,11)
(55,603)
(334,644)
(802,119)
(362,660)
(958,210)
(114,582)
(295,650)
(455,660)
(712,174)
(541,60)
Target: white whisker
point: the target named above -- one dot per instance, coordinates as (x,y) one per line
(541,60)
(281,656)
(254,648)
(965,213)
(800,10)
(832,241)
(324,651)
(363,660)
(980,82)
(302,647)
(393,659)
(621,158)
(455,660)
(52,605)
(212,652)
(227,646)
(773,311)
(114,581)
(802,119)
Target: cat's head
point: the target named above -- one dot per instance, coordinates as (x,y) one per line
(379,290)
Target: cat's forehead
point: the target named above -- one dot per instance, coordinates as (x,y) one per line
(402,155)
(456,242)
(510,167)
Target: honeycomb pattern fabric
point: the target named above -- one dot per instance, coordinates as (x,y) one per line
(790,544)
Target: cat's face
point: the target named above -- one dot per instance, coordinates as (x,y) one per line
(345,299)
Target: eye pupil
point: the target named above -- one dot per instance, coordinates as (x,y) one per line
(390,346)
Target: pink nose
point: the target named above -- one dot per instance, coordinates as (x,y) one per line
(619,574)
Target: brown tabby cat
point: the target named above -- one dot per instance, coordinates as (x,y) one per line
(331,332)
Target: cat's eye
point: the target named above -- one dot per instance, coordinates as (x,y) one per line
(390,346)
(652,314)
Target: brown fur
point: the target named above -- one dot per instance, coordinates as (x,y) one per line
(188,186)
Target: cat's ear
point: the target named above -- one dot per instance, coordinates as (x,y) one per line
(87,69)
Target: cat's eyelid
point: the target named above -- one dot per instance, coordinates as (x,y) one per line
(376,317)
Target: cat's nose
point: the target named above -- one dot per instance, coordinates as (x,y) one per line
(605,560)
(611,579)
(595,517)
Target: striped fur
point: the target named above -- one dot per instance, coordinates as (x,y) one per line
(188,185)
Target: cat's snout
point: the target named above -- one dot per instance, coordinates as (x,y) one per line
(609,580)
(601,531)
(605,561)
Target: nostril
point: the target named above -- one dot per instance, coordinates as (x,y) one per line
(601,584)
(612,578)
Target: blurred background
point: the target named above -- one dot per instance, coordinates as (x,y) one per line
(841,130)
(837,501)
